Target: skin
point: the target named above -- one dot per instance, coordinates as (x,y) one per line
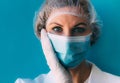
(69,25)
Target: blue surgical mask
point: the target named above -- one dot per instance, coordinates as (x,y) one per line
(71,51)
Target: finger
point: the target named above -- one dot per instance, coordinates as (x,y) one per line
(46,44)
(50,56)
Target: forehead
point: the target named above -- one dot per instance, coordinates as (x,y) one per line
(68,19)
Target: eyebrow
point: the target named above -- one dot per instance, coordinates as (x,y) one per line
(82,23)
(56,24)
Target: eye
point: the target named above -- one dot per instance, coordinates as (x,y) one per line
(77,30)
(57,29)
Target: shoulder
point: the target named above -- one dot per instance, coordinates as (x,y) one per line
(39,79)
(20,80)
(99,76)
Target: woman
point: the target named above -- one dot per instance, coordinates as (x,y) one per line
(67,30)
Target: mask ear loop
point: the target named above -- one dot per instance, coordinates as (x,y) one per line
(93,35)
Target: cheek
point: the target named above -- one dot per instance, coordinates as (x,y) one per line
(89,30)
(48,29)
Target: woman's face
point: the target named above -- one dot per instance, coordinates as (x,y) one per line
(68,25)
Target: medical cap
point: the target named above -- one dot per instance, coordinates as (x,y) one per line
(75,7)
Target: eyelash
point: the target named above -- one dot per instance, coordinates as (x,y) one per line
(79,30)
(75,30)
(57,29)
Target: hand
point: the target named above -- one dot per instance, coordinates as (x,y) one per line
(60,73)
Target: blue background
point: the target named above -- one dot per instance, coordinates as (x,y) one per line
(21,53)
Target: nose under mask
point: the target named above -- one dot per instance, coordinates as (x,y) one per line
(71,51)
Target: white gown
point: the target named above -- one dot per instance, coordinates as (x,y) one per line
(96,76)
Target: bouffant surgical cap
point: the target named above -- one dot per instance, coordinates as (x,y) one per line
(79,8)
